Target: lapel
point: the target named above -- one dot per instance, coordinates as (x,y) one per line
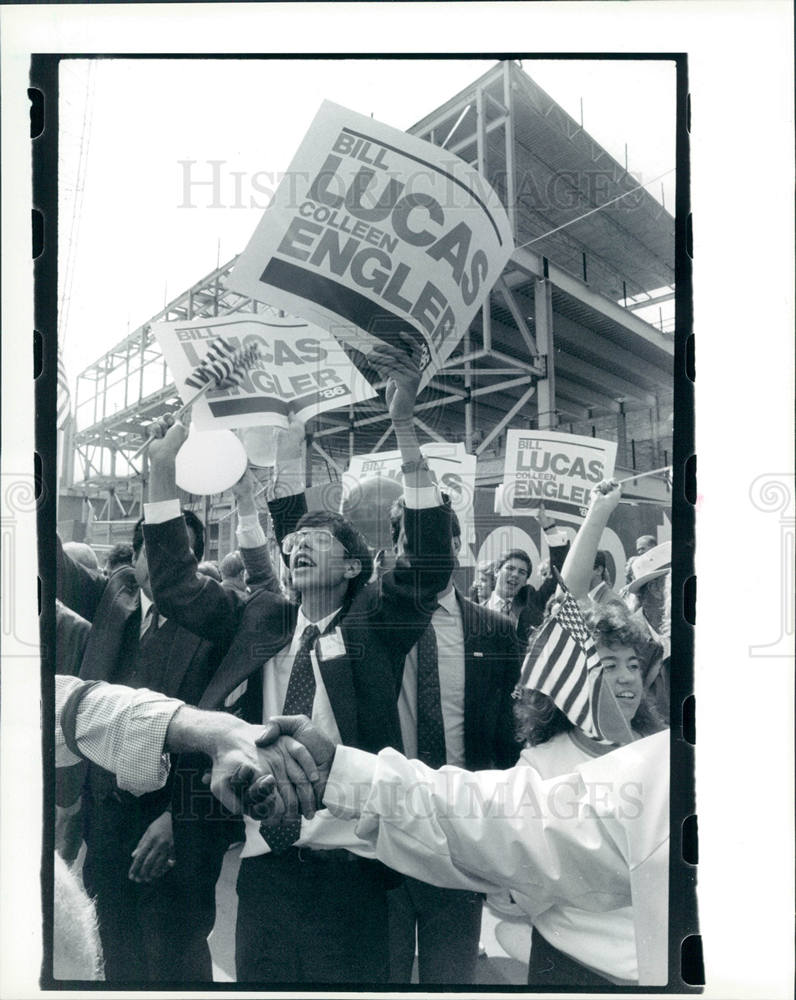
(182,651)
(113,640)
(267,626)
(338,679)
(475,670)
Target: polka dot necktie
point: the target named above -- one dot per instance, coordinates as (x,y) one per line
(430,727)
(298,701)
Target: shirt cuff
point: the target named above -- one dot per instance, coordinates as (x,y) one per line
(250,532)
(349,782)
(160,511)
(143,762)
(554,536)
(422,497)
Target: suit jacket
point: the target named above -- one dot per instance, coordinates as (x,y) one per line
(529,603)
(113,606)
(491,671)
(379,626)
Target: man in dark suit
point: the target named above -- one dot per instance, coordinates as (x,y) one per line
(455,707)
(153,880)
(513,595)
(305,916)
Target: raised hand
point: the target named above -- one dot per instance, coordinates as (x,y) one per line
(290,441)
(400,367)
(245,491)
(168,436)
(605,498)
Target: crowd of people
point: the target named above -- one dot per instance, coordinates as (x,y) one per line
(357,716)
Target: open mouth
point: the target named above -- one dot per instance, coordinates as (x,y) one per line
(303,562)
(628,695)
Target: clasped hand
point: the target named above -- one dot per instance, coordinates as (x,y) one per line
(279,775)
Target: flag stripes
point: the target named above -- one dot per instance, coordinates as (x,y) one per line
(63,403)
(559,663)
(221,363)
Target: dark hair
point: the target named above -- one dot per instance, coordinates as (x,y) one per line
(397,517)
(209,568)
(600,560)
(120,555)
(231,565)
(513,554)
(191,521)
(352,540)
(537,717)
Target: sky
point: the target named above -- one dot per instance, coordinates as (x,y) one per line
(138,137)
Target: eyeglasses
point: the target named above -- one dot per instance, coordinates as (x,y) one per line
(320,539)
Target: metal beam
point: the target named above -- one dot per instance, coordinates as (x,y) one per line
(543,323)
(326,456)
(434,435)
(603,379)
(582,395)
(531,263)
(519,319)
(506,419)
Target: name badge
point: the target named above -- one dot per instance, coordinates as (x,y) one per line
(331,645)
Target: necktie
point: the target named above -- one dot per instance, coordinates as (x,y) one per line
(298,701)
(150,624)
(505,608)
(430,727)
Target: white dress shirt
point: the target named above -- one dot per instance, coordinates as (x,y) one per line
(501,605)
(276,677)
(447,624)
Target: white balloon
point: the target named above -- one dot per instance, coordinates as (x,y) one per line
(210,462)
(260,444)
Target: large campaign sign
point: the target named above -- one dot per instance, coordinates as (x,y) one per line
(453,468)
(558,469)
(302,369)
(374,234)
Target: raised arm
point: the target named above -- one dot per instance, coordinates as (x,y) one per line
(286,502)
(579,563)
(251,539)
(425,569)
(194,601)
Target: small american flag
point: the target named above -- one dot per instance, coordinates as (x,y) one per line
(563,664)
(222,363)
(63,404)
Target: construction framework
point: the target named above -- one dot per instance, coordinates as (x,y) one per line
(559,342)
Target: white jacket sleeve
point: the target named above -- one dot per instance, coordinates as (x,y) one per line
(573,839)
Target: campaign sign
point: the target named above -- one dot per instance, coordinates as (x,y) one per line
(558,469)
(302,369)
(374,235)
(453,468)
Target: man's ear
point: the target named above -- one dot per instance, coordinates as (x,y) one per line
(353,567)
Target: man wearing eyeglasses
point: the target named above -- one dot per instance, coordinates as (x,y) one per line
(306,916)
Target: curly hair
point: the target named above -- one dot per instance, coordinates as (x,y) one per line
(538,719)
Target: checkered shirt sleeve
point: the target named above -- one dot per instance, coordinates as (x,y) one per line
(121,729)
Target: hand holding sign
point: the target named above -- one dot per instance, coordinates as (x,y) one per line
(401,370)
(167,436)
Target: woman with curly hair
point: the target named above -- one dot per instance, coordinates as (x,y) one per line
(571,946)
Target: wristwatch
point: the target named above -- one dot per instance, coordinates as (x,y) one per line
(409,467)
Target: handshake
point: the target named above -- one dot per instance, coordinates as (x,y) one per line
(276,773)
